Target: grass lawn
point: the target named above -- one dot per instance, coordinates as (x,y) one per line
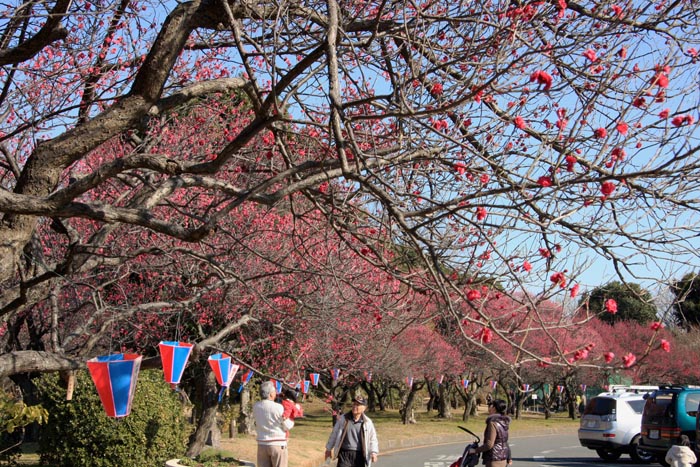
(309,436)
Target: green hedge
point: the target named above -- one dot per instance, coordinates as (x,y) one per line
(79,433)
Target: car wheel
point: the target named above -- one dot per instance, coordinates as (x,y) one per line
(639,455)
(608,454)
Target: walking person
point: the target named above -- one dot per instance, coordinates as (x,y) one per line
(495,451)
(353,440)
(681,455)
(271,428)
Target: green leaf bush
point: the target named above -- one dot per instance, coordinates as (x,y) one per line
(211,458)
(14,416)
(79,433)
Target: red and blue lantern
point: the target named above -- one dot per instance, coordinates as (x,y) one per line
(314,378)
(224,370)
(244,379)
(174,356)
(115,378)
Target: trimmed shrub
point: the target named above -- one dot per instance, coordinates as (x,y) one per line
(14,416)
(80,434)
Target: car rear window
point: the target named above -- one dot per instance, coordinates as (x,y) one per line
(637,406)
(658,406)
(600,406)
(691,404)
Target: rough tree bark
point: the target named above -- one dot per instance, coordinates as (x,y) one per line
(207,420)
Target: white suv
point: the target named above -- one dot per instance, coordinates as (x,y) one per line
(611,423)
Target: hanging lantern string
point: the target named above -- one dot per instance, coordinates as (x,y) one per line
(221,393)
(246,364)
(111,325)
(177,326)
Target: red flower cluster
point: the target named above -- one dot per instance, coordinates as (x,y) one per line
(544,181)
(607,188)
(619,12)
(590,55)
(562,8)
(574,291)
(485,335)
(580,354)
(440,124)
(558,278)
(665,345)
(680,120)
(542,77)
(473,295)
(611,306)
(660,79)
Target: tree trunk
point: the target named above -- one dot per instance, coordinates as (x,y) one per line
(443,402)
(433,389)
(572,409)
(407,412)
(474,405)
(470,406)
(207,422)
(382,390)
(245,417)
(547,402)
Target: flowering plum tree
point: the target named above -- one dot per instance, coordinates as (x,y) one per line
(674,359)
(511,140)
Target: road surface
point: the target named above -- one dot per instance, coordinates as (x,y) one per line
(552,450)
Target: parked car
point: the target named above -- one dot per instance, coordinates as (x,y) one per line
(669,413)
(611,423)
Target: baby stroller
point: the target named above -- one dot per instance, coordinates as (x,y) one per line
(468,460)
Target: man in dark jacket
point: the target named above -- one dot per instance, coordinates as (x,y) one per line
(495,450)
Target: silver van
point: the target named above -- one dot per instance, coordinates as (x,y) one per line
(611,423)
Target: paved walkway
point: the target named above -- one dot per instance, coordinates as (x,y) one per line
(386,446)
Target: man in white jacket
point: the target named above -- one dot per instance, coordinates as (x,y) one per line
(353,440)
(271,428)
(681,455)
